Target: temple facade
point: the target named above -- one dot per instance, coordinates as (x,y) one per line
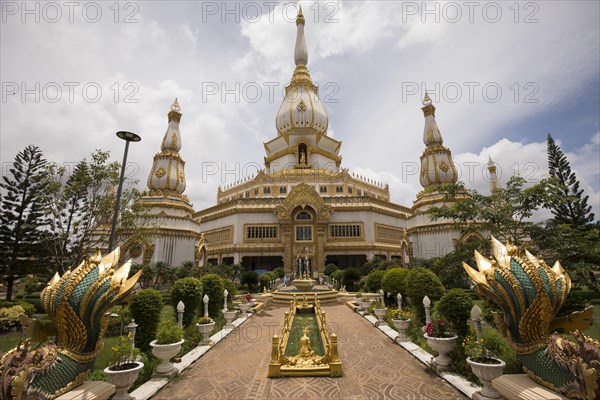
(304,207)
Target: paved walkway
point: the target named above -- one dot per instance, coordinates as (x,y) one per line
(373,367)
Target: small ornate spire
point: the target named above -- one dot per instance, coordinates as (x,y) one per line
(301,52)
(174,114)
(175,106)
(300,17)
(426,100)
(494,183)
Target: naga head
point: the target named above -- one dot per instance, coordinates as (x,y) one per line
(77,302)
(529,291)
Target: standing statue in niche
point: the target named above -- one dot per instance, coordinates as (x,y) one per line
(302,157)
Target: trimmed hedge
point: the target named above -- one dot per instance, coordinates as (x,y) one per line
(212,285)
(394,281)
(188,290)
(279,272)
(146,306)
(249,278)
(330,269)
(373,280)
(455,307)
(421,282)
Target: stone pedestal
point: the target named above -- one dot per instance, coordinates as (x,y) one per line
(520,386)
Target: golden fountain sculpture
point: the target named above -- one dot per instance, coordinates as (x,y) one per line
(307,362)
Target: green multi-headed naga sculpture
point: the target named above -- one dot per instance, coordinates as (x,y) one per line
(77,303)
(530,294)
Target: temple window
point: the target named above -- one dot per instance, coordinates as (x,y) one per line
(283,189)
(323,189)
(303,233)
(303,216)
(266,190)
(339,189)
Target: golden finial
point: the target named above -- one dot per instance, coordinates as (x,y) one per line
(427,100)
(175,106)
(300,17)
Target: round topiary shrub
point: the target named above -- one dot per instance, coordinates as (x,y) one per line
(212,285)
(455,307)
(249,278)
(338,276)
(231,289)
(279,272)
(373,280)
(350,277)
(394,281)
(421,282)
(330,269)
(168,332)
(265,281)
(146,306)
(188,290)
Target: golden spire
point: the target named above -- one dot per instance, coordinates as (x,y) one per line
(174,114)
(300,17)
(175,106)
(301,75)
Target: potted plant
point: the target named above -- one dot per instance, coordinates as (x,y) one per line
(229,316)
(205,326)
(484,365)
(247,304)
(169,338)
(401,320)
(379,310)
(366,304)
(123,368)
(440,339)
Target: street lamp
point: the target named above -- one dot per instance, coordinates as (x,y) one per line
(127,137)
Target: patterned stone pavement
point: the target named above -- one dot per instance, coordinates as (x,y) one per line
(373,367)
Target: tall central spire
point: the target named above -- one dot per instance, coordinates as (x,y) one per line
(301,74)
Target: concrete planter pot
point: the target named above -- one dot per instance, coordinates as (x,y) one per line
(401,326)
(229,317)
(123,380)
(486,374)
(365,306)
(246,308)
(380,314)
(205,330)
(164,352)
(443,346)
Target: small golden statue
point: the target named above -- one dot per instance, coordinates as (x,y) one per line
(305,350)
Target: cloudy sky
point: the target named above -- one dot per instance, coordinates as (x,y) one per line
(502,76)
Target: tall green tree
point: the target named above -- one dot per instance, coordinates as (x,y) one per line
(22,218)
(575,209)
(506,213)
(80,207)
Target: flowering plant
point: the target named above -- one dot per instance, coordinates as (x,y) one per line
(438,328)
(123,355)
(401,314)
(204,320)
(476,350)
(247,298)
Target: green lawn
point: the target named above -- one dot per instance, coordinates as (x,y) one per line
(594,330)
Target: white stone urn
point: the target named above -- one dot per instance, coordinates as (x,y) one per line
(380,314)
(401,326)
(205,330)
(229,317)
(246,308)
(123,380)
(487,372)
(443,346)
(365,305)
(164,352)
